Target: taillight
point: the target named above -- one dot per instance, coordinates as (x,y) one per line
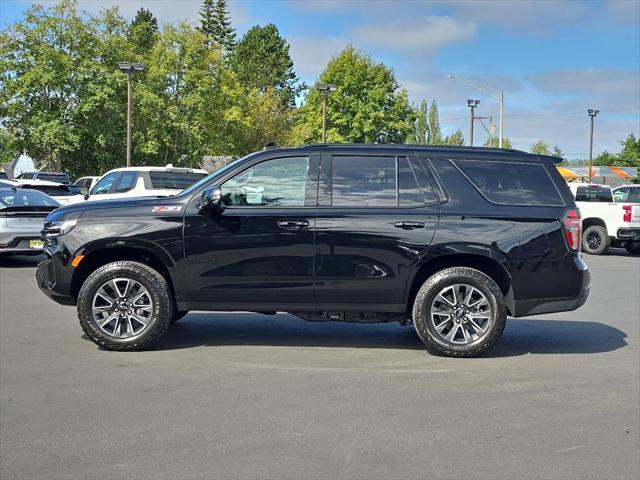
(572,228)
(626,217)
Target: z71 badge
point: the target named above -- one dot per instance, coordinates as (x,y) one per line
(166,208)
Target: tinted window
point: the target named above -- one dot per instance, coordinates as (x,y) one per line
(511,183)
(421,179)
(25,198)
(26,175)
(173,180)
(280,182)
(621,194)
(126,181)
(593,193)
(54,190)
(104,185)
(363,181)
(54,177)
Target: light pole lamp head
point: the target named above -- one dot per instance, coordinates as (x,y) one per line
(130,67)
(326,87)
(473,103)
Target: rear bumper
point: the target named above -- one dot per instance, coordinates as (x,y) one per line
(628,234)
(538,306)
(20,245)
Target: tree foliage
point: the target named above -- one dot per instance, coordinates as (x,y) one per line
(540,148)
(434,133)
(261,61)
(143,31)
(223,32)
(368,105)
(495,142)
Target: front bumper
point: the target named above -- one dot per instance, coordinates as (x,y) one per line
(58,289)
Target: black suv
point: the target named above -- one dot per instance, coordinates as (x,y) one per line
(451,239)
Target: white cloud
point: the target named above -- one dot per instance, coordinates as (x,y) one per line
(422,35)
(311,54)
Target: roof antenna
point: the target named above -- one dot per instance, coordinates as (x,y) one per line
(269,146)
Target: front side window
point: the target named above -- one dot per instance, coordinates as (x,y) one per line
(280,182)
(363,181)
(126,182)
(511,183)
(105,185)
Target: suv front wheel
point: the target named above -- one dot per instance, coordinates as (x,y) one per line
(125,306)
(459,312)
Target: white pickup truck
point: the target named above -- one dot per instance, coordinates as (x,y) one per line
(606,223)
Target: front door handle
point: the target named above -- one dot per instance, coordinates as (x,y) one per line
(293,224)
(409,225)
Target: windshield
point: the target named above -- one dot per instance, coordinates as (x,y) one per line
(172,180)
(54,177)
(18,197)
(212,175)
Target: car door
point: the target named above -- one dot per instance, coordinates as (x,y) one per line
(257,251)
(376,217)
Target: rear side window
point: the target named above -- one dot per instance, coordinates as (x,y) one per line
(511,183)
(363,181)
(414,187)
(173,180)
(593,193)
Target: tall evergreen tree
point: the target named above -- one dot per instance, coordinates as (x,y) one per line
(420,128)
(435,134)
(223,33)
(207,19)
(143,31)
(456,138)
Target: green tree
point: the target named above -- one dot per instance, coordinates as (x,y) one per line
(223,33)
(9,146)
(629,156)
(495,142)
(456,138)
(207,20)
(419,133)
(143,31)
(261,61)
(556,152)
(367,106)
(540,148)
(434,136)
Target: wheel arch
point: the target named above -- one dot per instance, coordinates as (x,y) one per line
(484,263)
(591,221)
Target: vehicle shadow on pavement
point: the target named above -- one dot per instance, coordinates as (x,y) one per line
(20,261)
(520,337)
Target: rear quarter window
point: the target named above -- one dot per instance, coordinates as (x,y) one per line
(511,183)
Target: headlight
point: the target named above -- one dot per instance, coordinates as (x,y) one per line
(58,227)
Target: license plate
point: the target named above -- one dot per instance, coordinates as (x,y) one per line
(35,244)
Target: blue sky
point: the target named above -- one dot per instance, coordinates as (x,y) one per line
(553,58)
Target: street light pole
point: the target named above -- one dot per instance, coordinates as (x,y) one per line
(493,92)
(129,68)
(472,104)
(592,114)
(325,89)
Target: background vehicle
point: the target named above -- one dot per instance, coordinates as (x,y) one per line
(64,194)
(627,193)
(85,184)
(22,214)
(144,182)
(450,238)
(57,177)
(606,223)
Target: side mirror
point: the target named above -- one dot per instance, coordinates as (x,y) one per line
(210,199)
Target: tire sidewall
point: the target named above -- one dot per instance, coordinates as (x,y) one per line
(157,288)
(433,286)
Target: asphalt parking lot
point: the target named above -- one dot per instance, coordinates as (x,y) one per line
(251,396)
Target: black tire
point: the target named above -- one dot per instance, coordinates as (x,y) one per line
(595,240)
(177,315)
(433,286)
(633,247)
(159,316)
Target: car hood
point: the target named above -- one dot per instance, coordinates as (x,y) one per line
(142,205)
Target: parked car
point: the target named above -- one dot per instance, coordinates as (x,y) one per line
(606,223)
(627,193)
(144,182)
(22,214)
(64,194)
(451,239)
(57,177)
(86,183)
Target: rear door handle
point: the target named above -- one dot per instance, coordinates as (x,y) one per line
(293,224)
(409,225)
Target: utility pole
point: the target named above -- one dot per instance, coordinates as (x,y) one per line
(129,68)
(325,89)
(472,104)
(592,114)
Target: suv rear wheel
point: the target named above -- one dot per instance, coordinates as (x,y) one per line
(595,240)
(125,306)
(459,312)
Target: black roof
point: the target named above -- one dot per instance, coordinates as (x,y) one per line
(452,151)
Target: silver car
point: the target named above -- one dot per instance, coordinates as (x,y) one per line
(22,214)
